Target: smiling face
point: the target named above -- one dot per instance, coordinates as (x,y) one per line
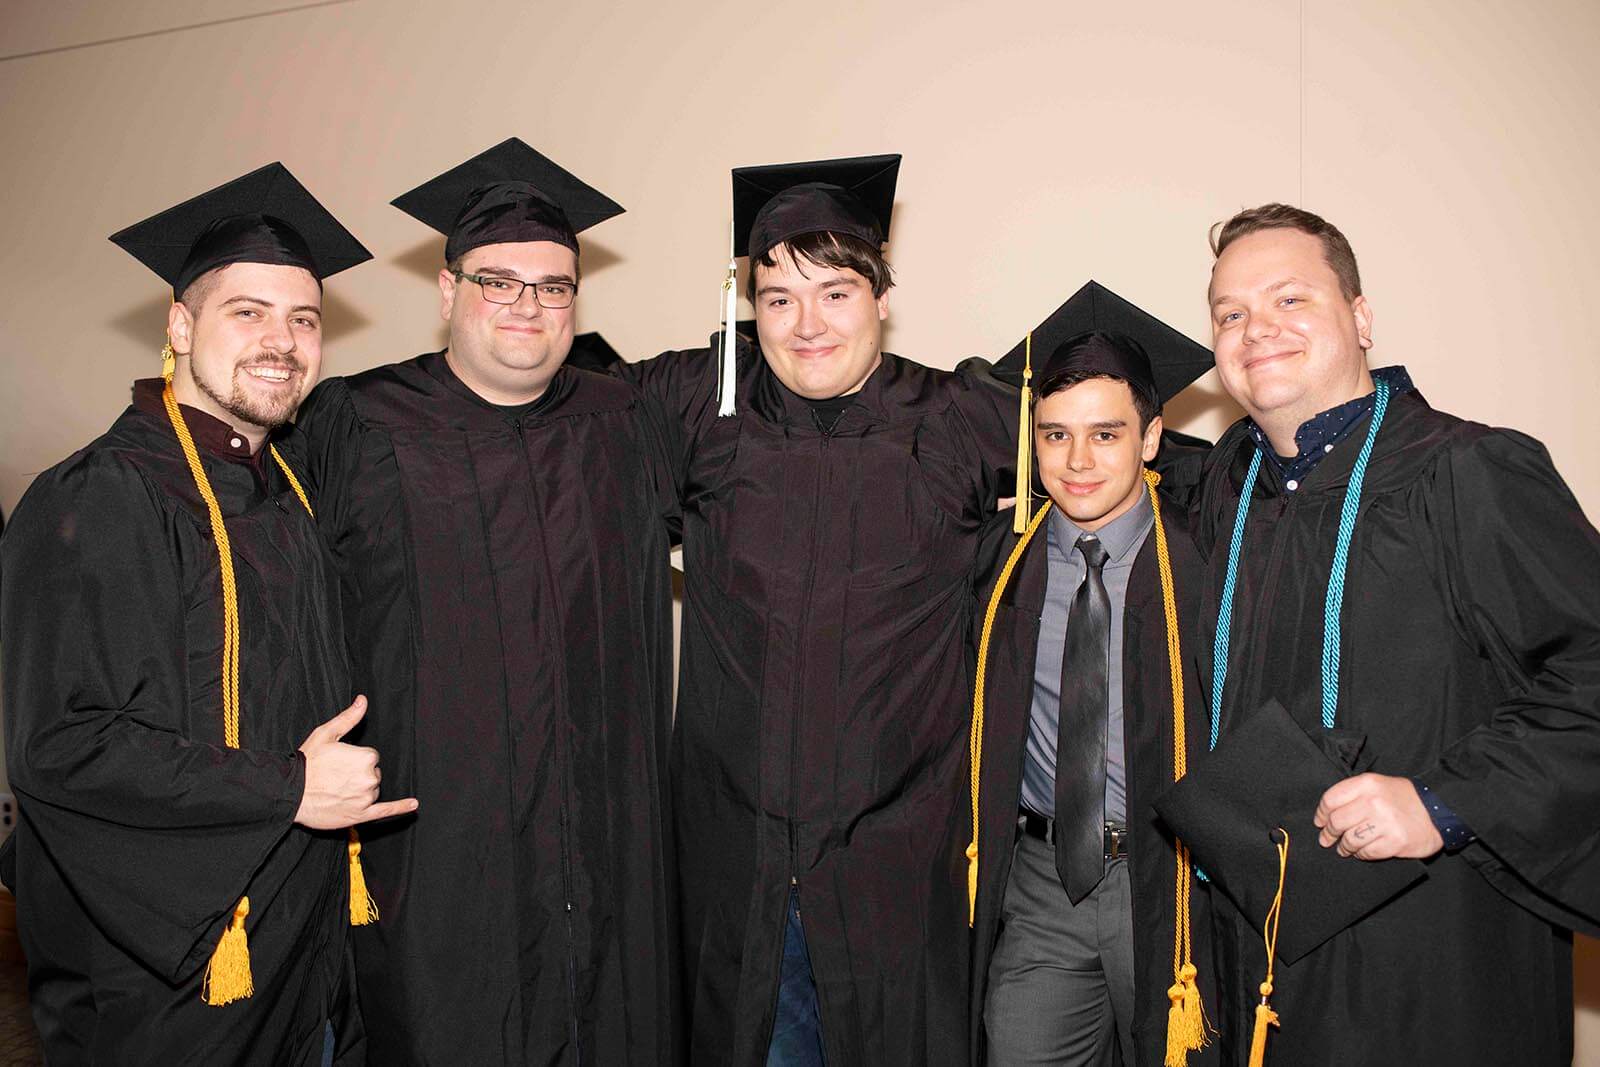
(1289,342)
(1091,451)
(820,327)
(251,346)
(507,353)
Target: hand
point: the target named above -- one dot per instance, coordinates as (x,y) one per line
(1376,817)
(342,780)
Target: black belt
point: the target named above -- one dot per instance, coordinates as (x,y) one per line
(1044,829)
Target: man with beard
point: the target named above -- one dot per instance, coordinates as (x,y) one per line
(506,590)
(172,657)
(829,517)
(1415,597)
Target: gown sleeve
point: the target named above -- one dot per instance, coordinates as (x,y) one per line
(157,834)
(987,409)
(679,396)
(1521,566)
(327,445)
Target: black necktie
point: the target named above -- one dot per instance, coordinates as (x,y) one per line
(1081,731)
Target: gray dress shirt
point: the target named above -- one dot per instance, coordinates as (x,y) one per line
(1122,538)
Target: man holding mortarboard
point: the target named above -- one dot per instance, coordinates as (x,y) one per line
(1084,948)
(1404,627)
(174,665)
(506,589)
(831,500)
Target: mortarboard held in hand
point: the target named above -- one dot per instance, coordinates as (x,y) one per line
(1267,773)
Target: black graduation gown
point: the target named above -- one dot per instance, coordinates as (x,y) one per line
(507,595)
(139,830)
(822,711)
(1470,659)
(1147,742)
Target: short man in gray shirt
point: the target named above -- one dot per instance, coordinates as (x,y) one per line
(1078,910)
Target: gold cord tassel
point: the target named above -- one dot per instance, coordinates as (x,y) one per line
(975,738)
(1186,1020)
(1265,1016)
(363,909)
(1019,521)
(169,362)
(228,975)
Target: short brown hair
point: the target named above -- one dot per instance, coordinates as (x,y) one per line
(840,251)
(1335,249)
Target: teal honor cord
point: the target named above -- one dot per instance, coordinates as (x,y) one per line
(1332,606)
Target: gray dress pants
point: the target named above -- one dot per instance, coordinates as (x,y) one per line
(1061,978)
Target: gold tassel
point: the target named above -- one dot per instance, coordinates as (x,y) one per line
(228,975)
(363,909)
(1019,521)
(975,736)
(1186,1031)
(169,362)
(1265,1016)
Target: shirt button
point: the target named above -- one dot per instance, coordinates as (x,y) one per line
(1292,485)
(235,442)
(1327,448)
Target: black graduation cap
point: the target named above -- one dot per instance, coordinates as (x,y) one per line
(266,216)
(509,193)
(590,351)
(1174,360)
(1267,773)
(850,196)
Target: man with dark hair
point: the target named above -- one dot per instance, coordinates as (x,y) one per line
(506,586)
(185,866)
(1412,600)
(828,524)
(1082,918)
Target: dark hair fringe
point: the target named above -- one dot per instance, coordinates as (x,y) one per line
(841,251)
(1145,400)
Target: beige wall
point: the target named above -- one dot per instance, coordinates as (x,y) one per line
(1045,144)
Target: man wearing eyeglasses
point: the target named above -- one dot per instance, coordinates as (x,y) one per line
(505,585)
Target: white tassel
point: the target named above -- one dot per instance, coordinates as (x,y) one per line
(728,379)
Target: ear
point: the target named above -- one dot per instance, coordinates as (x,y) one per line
(1363,314)
(447,293)
(180,329)
(883,306)
(1152,440)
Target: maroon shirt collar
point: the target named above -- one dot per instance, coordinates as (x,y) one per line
(211,434)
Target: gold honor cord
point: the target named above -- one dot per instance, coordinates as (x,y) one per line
(1186,1025)
(975,740)
(228,977)
(1186,1021)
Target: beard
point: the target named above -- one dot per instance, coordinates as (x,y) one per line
(268,412)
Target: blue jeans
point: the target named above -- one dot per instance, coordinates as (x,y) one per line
(797,1029)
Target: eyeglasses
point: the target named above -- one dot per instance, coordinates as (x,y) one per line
(502,290)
